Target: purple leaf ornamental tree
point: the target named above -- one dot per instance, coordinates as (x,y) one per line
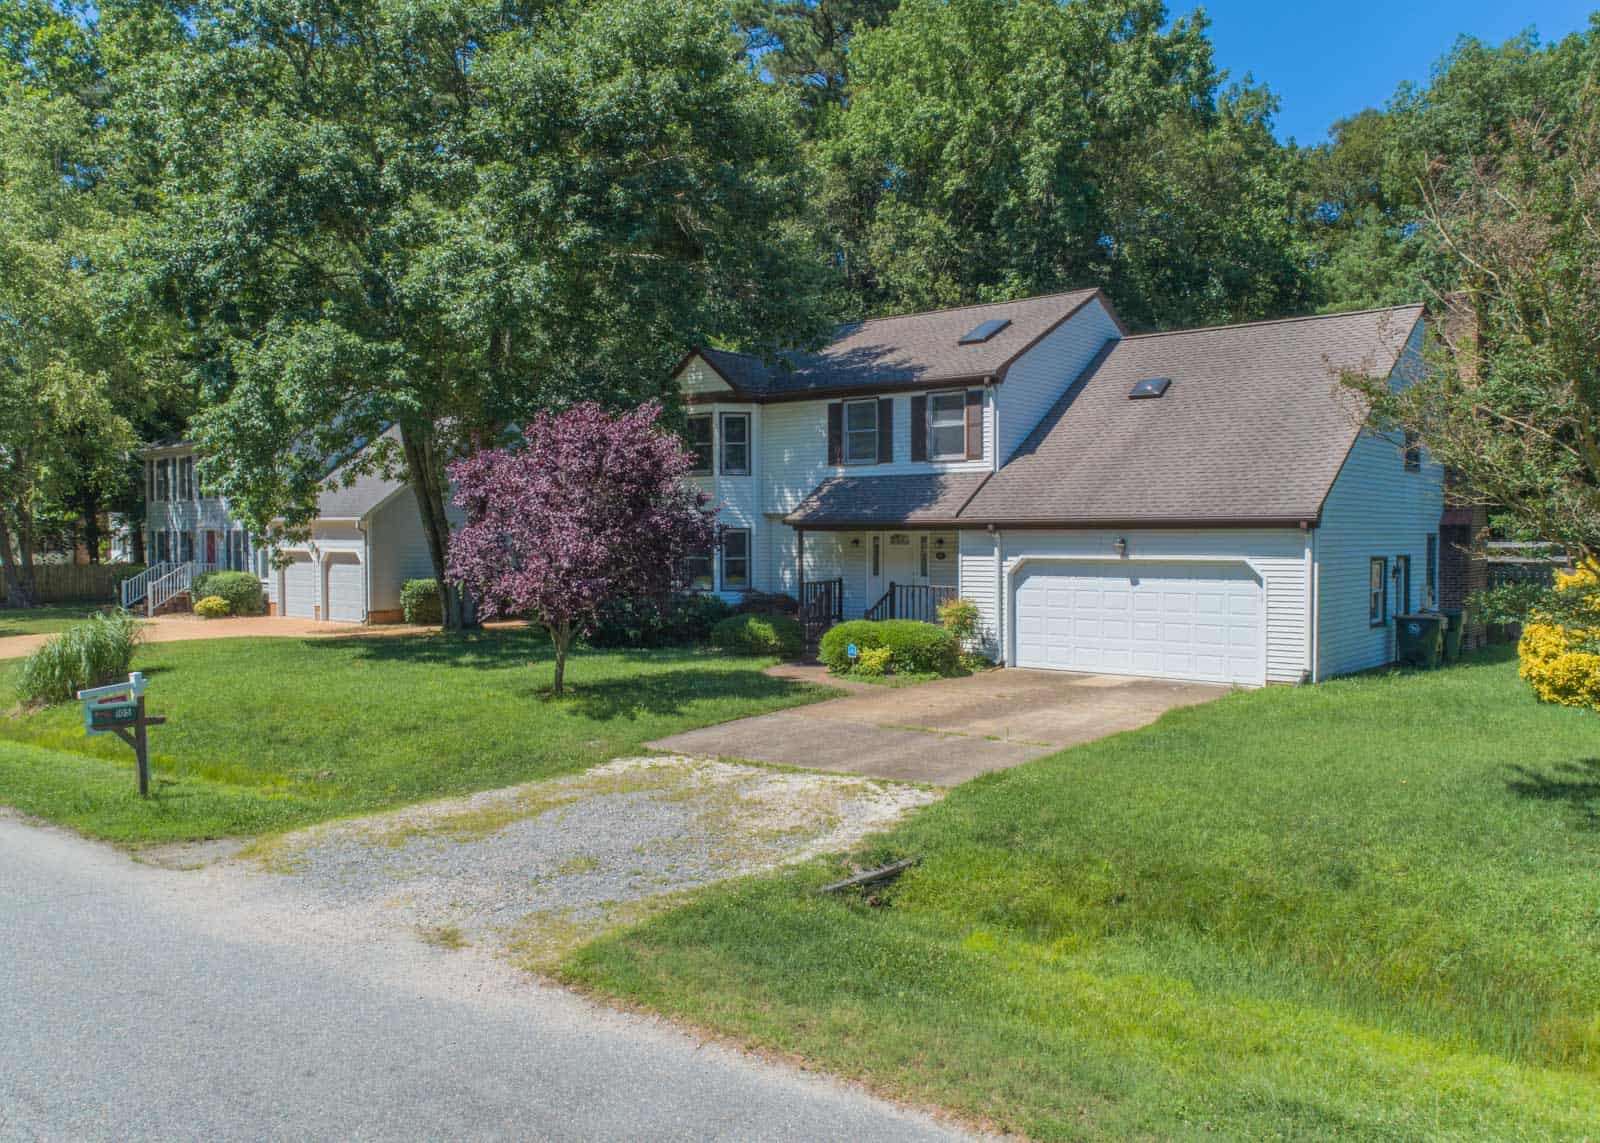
(587,508)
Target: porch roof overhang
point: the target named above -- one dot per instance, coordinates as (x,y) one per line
(922,500)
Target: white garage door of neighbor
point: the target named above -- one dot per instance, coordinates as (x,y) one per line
(300,588)
(1162,620)
(346,589)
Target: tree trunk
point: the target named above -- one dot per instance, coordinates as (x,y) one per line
(20,589)
(418,443)
(561,639)
(91,526)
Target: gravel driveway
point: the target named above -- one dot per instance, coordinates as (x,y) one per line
(537,868)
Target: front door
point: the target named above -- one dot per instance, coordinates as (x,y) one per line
(900,557)
(211,548)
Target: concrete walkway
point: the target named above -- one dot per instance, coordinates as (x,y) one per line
(947,731)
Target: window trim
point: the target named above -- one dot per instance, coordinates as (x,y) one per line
(722,561)
(710,444)
(934,456)
(1378,595)
(845,432)
(722,445)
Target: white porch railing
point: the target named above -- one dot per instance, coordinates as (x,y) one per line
(177,581)
(137,587)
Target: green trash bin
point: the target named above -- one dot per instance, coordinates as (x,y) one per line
(1419,639)
(1455,626)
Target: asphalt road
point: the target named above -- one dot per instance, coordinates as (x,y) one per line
(144,1003)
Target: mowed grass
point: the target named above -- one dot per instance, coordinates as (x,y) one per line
(44,620)
(1369,909)
(268,734)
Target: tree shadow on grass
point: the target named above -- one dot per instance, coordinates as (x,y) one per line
(483,650)
(1575,783)
(670,693)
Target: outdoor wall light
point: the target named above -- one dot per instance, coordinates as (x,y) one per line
(856,543)
(1121,546)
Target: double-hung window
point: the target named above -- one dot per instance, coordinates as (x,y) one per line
(861,432)
(735,444)
(1411,452)
(186,478)
(697,569)
(735,559)
(947,426)
(700,443)
(1378,591)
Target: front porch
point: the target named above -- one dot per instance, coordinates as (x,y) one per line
(898,573)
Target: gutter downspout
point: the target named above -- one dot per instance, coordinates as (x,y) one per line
(1313,594)
(999,595)
(366,571)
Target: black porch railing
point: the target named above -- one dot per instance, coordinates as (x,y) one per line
(912,601)
(821,606)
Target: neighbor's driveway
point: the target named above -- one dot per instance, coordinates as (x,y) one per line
(947,731)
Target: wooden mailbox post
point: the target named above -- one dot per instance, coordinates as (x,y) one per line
(119,709)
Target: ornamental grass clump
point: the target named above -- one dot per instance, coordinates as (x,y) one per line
(1561,662)
(90,654)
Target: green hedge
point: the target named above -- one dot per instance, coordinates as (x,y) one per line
(419,600)
(914,647)
(241,589)
(88,655)
(678,621)
(759,635)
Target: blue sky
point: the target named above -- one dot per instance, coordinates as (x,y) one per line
(1328,61)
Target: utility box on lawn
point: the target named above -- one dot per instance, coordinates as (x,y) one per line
(1419,640)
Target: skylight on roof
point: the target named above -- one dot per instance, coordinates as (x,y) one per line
(1149,387)
(981,333)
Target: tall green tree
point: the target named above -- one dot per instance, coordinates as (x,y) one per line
(805,44)
(991,148)
(444,215)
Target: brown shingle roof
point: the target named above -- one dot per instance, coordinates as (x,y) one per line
(1254,428)
(919,498)
(907,351)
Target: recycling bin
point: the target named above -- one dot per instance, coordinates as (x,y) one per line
(1419,639)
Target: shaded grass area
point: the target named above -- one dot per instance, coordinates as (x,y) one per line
(1369,909)
(268,734)
(44,620)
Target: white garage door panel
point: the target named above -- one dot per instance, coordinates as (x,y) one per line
(1170,620)
(300,589)
(346,590)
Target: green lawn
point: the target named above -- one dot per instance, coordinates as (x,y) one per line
(43,620)
(266,734)
(1369,909)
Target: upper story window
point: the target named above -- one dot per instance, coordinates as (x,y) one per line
(700,443)
(1413,453)
(947,426)
(861,432)
(186,478)
(735,444)
(164,478)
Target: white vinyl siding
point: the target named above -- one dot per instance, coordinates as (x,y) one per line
(697,378)
(1375,509)
(397,547)
(1039,377)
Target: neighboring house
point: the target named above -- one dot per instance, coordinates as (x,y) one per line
(365,542)
(1202,504)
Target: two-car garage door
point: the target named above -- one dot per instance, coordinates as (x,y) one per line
(1164,620)
(347,595)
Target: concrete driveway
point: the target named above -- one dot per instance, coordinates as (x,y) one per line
(947,731)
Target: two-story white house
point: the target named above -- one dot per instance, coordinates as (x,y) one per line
(1202,504)
(365,542)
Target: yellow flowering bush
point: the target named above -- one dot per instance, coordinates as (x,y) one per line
(1551,659)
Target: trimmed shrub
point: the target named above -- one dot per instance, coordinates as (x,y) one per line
(420,602)
(1553,660)
(873,662)
(88,655)
(759,635)
(766,603)
(678,621)
(914,647)
(960,618)
(213,607)
(241,589)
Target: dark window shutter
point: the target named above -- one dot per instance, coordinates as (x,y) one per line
(835,433)
(885,429)
(974,424)
(919,428)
